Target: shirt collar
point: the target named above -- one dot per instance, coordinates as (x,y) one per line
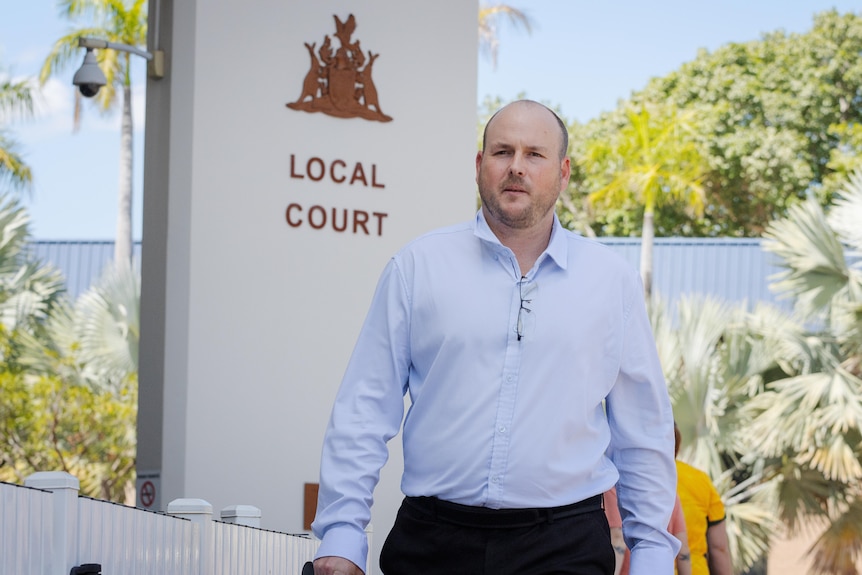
(557,250)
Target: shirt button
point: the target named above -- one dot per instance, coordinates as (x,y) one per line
(496,479)
(502,429)
(509,378)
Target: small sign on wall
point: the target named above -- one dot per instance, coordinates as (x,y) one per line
(148,490)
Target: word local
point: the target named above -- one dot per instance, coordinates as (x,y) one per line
(316,169)
(347,220)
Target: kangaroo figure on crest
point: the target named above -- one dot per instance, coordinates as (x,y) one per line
(368,87)
(312,79)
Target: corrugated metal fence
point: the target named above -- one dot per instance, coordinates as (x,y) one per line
(47,529)
(80,261)
(733,269)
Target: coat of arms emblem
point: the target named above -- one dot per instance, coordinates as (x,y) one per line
(339,83)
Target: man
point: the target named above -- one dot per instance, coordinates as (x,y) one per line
(509,333)
(704,519)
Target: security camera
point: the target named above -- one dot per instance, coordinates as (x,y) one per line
(89,77)
(89,90)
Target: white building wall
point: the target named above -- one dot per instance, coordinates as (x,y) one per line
(248,322)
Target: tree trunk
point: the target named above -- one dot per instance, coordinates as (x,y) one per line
(123,241)
(647,235)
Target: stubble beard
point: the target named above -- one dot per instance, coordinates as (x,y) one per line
(519,219)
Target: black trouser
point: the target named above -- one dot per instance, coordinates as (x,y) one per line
(427,540)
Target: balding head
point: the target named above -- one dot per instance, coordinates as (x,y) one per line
(564,132)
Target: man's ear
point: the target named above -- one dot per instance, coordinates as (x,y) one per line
(565,172)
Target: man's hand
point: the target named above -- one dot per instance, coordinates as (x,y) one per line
(336,566)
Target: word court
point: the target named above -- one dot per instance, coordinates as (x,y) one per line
(342,173)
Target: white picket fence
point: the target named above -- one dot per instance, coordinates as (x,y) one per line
(46,528)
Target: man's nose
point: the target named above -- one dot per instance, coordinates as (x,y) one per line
(517,165)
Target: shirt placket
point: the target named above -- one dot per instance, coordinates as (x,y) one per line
(504,418)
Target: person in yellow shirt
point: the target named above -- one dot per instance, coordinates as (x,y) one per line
(704,519)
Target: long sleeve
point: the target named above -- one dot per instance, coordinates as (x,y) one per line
(367,413)
(642,442)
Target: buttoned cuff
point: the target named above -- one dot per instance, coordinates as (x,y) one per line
(345,541)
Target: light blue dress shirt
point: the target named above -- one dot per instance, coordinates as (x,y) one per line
(508,379)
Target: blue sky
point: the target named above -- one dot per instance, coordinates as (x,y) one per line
(582,55)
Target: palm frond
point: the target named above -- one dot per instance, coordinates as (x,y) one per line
(846,214)
(816,271)
(31,293)
(750,528)
(14,231)
(489,16)
(53,350)
(13,168)
(839,547)
(699,390)
(108,322)
(16,99)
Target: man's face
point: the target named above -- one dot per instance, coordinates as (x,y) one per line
(519,173)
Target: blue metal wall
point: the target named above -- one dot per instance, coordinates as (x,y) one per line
(732,269)
(80,261)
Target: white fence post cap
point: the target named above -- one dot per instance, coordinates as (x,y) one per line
(247,515)
(240,511)
(189,506)
(52,480)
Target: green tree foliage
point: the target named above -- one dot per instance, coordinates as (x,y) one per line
(776,119)
(68,373)
(47,423)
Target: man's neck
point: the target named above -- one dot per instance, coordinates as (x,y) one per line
(527,243)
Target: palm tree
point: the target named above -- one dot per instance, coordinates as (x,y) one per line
(123,23)
(649,163)
(16,100)
(29,290)
(712,367)
(769,403)
(489,15)
(809,421)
